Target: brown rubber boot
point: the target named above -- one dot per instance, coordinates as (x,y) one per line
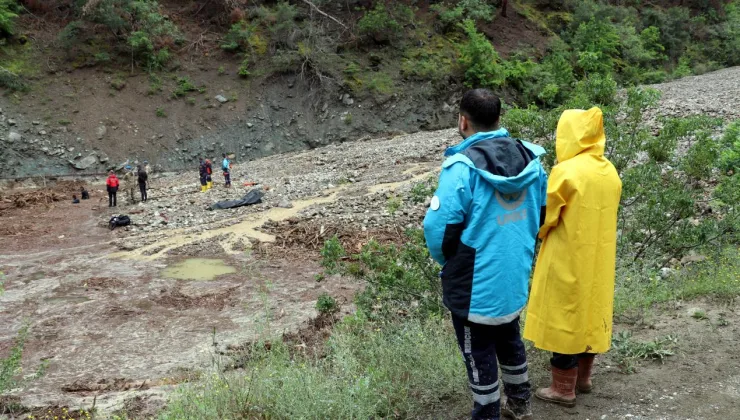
(585,367)
(563,388)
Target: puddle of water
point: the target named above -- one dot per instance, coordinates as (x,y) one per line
(67,299)
(198,269)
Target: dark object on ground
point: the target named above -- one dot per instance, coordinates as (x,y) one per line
(84,193)
(253,197)
(117,221)
(75,200)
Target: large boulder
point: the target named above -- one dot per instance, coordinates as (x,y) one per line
(84,163)
(14,137)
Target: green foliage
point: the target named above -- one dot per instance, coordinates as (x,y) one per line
(401,278)
(393,204)
(8,14)
(183,85)
(12,81)
(423,190)
(463,10)
(148,33)
(365,372)
(378,25)
(332,254)
(380,84)
(161,113)
(434,62)
(480,62)
(243,70)
(596,44)
(627,351)
(10,366)
(730,148)
(326,304)
(237,39)
(280,21)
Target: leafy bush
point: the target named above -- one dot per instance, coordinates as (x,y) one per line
(331,255)
(480,62)
(183,85)
(12,81)
(462,10)
(326,304)
(377,24)
(401,278)
(280,22)
(237,39)
(8,14)
(10,367)
(148,33)
(243,70)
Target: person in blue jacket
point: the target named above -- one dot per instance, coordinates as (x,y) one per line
(481,226)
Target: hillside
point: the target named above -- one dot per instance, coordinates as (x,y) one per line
(90,85)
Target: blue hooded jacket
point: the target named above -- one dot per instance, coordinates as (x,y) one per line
(482,225)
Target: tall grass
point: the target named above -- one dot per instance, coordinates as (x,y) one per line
(370,370)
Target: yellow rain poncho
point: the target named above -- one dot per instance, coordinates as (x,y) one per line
(571,302)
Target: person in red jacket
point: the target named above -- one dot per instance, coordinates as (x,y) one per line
(112,185)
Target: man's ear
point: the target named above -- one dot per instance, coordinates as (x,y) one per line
(463,123)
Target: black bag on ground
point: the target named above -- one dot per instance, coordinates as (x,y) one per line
(120,220)
(252,197)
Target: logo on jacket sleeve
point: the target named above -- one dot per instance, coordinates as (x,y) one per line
(434,205)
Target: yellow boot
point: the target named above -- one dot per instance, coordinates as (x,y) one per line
(210,184)
(203,188)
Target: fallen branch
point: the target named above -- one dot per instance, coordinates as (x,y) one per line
(322,13)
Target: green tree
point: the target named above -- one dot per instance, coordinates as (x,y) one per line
(480,62)
(8,14)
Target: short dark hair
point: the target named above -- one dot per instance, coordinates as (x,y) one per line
(482,108)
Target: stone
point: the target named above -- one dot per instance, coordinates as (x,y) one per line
(101,131)
(347,99)
(13,136)
(665,272)
(11,122)
(85,163)
(250,125)
(36,122)
(42,132)
(222,99)
(285,204)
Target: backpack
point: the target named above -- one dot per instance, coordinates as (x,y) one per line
(120,220)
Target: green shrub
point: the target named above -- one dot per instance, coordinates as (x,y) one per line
(280,21)
(480,62)
(327,305)
(365,372)
(10,367)
(730,148)
(8,14)
(423,190)
(12,81)
(377,24)
(462,10)
(237,39)
(183,85)
(243,70)
(332,254)
(161,113)
(380,84)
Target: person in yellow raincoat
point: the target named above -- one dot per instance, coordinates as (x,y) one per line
(571,301)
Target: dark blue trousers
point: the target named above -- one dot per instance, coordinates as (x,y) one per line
(481,346)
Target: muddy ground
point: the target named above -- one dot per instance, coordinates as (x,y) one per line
(118,332)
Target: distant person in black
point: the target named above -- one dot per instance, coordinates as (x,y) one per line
(85,195)
(143,178)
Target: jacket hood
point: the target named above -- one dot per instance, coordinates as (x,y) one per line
(579,132)
(509,165)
